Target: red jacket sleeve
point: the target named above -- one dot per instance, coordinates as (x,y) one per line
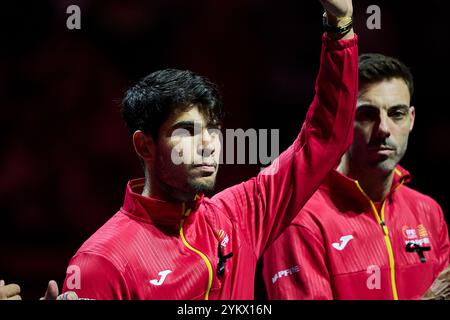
(300,274)
(444,249)
(265,205)
(92,276)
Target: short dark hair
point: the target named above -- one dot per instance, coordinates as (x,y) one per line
(375,67)
(152,100)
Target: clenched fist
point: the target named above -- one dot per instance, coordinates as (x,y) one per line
(338,8)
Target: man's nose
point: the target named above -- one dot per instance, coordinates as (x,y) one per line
(383,130)
(206,146)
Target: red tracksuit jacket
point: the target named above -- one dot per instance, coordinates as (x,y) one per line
(338,248)
(153,249)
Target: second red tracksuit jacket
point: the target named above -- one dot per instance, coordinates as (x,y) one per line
(344,246)
(208,249)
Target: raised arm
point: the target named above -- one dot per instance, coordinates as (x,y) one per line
(265,205)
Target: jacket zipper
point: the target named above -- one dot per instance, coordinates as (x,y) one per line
(201,254)
(387,240)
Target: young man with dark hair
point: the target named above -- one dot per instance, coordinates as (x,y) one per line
(364,234)
(168,241)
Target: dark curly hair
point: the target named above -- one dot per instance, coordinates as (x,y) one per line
(152,100)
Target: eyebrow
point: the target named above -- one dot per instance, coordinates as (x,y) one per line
(190,123)
(183,124)
(400,106)
(397,106)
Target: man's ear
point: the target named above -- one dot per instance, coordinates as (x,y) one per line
(412,114)
(144,145)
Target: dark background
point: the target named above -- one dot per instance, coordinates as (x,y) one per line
(65,156)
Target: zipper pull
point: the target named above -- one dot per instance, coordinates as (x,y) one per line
(383,226)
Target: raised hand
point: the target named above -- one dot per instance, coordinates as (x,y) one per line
(338,8)
(339,18)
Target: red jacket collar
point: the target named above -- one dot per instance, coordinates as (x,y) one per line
(153,210)
(341,184)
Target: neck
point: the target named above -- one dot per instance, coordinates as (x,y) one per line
(158,190)
(376,184)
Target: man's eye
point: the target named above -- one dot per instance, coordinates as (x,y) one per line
(183,132)
(215,130)
(366,115)
(397,114)
(190,130)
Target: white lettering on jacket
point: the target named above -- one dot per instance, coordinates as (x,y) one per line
(285,273)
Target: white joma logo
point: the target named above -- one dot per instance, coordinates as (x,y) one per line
(344,241)
(160,281)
